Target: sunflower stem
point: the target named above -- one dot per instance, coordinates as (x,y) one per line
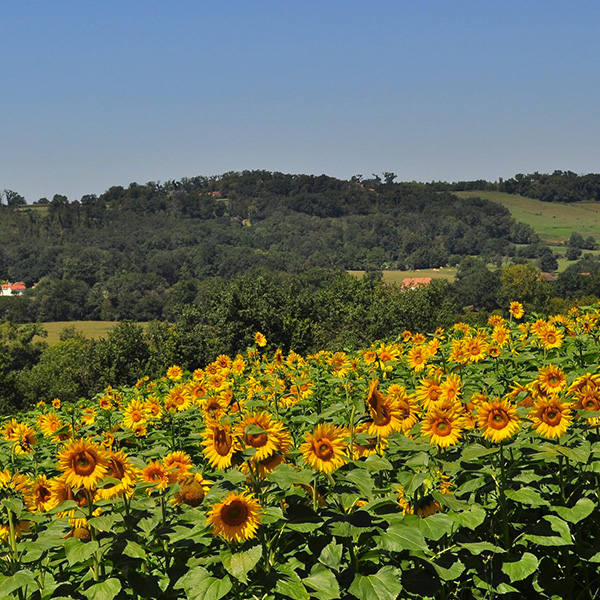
(314,493)
(96,562)
(502,493)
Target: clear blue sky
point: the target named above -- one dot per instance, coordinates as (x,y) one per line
(104,93)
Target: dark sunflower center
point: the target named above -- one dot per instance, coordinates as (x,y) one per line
(43,494)
(551,416)
(499,419)
(84,463)
(442,428)
(234,514)
(117,470)
(222,442)
(136,416)
(324,450)
(383,416)
(257,440)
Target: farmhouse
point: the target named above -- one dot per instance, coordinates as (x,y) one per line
(13,289)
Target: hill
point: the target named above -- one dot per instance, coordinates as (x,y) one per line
(554,222)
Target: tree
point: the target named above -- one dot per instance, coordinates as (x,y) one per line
(548,262)
(13,199)
(576,240)
(572,253)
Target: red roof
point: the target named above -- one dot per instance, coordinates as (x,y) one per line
(18,286)
(410,282)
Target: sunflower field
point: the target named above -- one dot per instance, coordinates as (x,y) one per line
(459,464)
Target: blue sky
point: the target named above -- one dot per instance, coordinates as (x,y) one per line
(96,93)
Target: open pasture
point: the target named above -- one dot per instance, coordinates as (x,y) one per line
(553,221)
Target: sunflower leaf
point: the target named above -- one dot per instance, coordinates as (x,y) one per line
(400,537)
(323,582)
(106,590)
(200,585)
(239,564)
(383,585)
(584,508)
(77,551)
(527,496)
(17,581)
(522,568)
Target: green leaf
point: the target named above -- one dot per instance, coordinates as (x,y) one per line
(331,556)
(323,582)
(400,537)
(290,585)
(435,526)
(106,590)
(375,463)
(522,568)
(551,531)
(527,496)
(239,564)
(362,480)
(200,585)
(584,508)
(134,550)
(19,580)
(471,518)
(383,585)
(77,551)
(576,455)
(475,451)
(105,522)
(448,567)
(285,476)
(479,547)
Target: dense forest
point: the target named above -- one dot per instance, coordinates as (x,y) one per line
(135,252)
(559,186)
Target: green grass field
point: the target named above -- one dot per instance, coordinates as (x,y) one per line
(553,221)
(393,276)
(90,329)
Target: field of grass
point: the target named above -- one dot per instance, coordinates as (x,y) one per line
(553,221)
(394,276)
(90,329)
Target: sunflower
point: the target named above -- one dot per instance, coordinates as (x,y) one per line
(428,389)
(258,431)
(516,310)
(213,407)
(24,439)
(220,445)
(260,340)
(551,417)
(450,388)
(175,373)
(458,352)
(156,473)
(403,501)
(500,335)
(551,337)
(387,419)
(178,463)
(388,354)
(179,397)
(236,518)
(442,428)
(238,365)
(498,419)
(105,403)
(83,463)
(325,448)
(135,414)
(88,416)
(494,350)
(339,364)
(8,431)
(193,490)
(369,445)
(374,397)
(417,357)
(153,408)
(551,379)
(476,349)
(121,468)
(39,497)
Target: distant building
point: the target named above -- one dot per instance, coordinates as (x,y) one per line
(13,289)
(412,283)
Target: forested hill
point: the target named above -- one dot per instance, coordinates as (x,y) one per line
(559,186)
(225,225)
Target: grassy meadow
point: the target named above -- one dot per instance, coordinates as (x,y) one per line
(90,329)
(395,276)
(553,221)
